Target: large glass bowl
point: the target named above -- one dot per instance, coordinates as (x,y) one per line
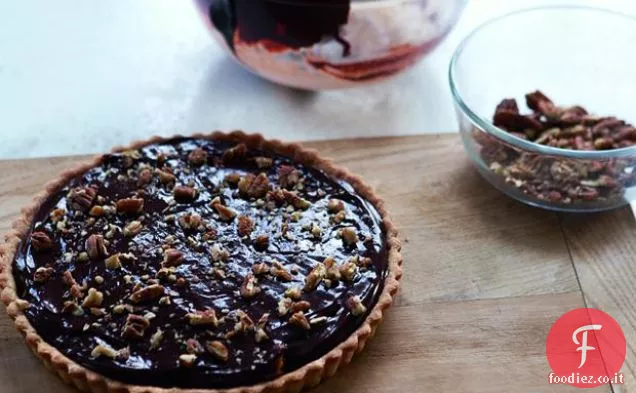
(328,44)
(576,56)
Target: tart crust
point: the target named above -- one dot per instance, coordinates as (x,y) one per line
(306,376)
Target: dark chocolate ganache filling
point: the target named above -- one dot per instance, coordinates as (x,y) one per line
(200,264)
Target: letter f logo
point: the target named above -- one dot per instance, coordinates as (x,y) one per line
(584,347)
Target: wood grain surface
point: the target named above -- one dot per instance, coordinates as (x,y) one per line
(485,276)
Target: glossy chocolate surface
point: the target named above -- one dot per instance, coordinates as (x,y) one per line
(205,278)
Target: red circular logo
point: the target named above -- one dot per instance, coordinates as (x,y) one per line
(585,348)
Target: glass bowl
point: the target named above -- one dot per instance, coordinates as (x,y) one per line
(328,44)
(576,56)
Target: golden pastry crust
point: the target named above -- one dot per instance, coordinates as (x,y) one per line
(307,376)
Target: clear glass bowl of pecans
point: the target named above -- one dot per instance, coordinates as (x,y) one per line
(544,99)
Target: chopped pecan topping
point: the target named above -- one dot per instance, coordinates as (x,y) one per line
(259,331)
(218,350)
(349,235)
(252,186)
(318,321)
(40,241)
(302,305)
(293,293)
(354,304)
(42,274)
(135,327)
(348,270)
(249,288)
(235,153)
(172,257)
(261,242)
(165,176)
(144,177)
(104,350)
(296,201)
(284,305)
(279,271)
(156,338)
(332,270)
(315,231)
(132,228)
(232,178)
(82,198)
(260,268)
(95,247)
(314,277)
(219,253)
(225,213)
(130,205)
(193,346)
(184,194)
(339,217)
(71,307)
(263,162)
(150,292)
(76,291)
(97,211)
(361,261)
(210,234)
(205,317)
(288,176)
(67,278)
(187,360)
(57,215)
(197,157)
(93,299)
(335,205)
(245,226)
(113,262)
(190,221)
(298,319)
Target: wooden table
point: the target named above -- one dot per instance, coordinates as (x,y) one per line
(485,276)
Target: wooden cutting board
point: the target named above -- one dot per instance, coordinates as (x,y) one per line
(485,276)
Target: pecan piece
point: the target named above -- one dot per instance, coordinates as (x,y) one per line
(93,299)
(332,270)
(193,346)
(249,287)
(135,327)
(259,331)
(82,198)
(314,277)
(156,338)
(172,257)
(296,201)
(150,292)
(190,221)
(263,162)
(95,247)
(40,241)
(235,153)
(144,177)
(254,186)
(198,157)
(132,228)
(232,178)
(335,205)
(184,194)
(260,269)
(284,305)
(538,102)
(298,319)
(206,317)
(130,205)
(349,235)
(293,293)
(113,262)
(165,176)
(354,304)
(302,305)
(261,242)
(219,253)
(288,176)
(279,271)
(348,270)
(218,350)
(42,274)
(104,350)
(225,213)
(187,360)
(245,226)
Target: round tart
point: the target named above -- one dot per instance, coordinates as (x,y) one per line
(207,262)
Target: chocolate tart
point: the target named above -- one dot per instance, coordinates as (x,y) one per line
(205,263)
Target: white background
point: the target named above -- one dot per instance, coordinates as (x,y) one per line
(81,76)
